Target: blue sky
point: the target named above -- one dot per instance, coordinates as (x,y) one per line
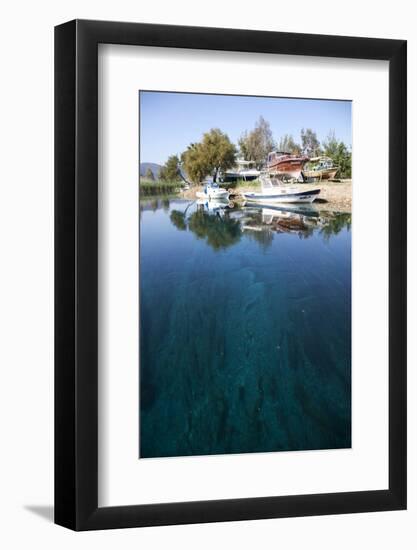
(169,122)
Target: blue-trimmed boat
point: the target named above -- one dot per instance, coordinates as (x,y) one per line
(280,193)
(212,190)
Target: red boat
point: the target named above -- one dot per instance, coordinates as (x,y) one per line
(284,165)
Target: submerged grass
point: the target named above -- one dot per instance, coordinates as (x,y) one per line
(245,341)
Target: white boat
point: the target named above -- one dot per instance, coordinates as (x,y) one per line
(212,191)
(272,193)
(244,170)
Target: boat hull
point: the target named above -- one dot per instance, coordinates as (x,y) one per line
(326,174)
(293,197)
(286,166)
(216,194)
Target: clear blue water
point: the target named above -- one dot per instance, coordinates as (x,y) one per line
(245,329)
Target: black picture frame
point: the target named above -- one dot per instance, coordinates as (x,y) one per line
(76,273)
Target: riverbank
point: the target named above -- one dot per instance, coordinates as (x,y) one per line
(335,196)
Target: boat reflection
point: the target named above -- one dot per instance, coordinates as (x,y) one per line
(222,223)
(302,220)
(214,206)
(212,222)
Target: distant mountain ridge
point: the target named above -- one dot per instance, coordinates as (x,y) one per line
(144,167)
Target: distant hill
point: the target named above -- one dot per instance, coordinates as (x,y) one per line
(144,166)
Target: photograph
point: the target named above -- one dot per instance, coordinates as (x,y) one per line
(245,238)
(209,263)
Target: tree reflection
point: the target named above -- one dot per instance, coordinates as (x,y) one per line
(165,204)
(263,237)
(218,230)
(178,219)
(334,223)
(221,229)
(215,226)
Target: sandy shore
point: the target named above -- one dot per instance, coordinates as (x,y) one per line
(333,196)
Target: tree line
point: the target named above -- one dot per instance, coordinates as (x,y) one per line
(215,153)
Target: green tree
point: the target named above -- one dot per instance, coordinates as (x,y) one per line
(169,171)
(149,175)
(256,144)
(213,154)
(340,155)
(310,143)
(195,163)
(287,144)
(330,145)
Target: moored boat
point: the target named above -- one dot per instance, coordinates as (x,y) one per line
(244,170)
(271,193)
(212,191)
(322,168)
(284,165)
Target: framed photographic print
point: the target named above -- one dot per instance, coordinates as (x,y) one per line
(230,275)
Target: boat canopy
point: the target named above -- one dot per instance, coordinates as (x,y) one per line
(320,159)
(243,162)
(265,181)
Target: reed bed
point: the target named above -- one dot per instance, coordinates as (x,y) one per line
(148,187)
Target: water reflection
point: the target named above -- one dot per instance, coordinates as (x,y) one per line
(157,202)
(214,224)
(178,219)
(335,224)
(222,224)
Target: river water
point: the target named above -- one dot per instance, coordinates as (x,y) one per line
(245,328)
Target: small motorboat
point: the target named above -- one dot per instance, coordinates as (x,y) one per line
(212,191)
(272,193)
